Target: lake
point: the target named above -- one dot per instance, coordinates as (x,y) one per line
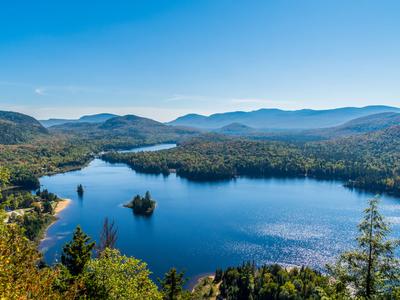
(200,226)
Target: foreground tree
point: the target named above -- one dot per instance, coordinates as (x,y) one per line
(371,270)
(172,285)
(20,278)
(77,252)
(114,276)
(108,236)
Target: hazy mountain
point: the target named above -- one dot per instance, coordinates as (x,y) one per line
(97,118)
(236,129)
(281,119)
(360,125)
(18,128)
(368,124)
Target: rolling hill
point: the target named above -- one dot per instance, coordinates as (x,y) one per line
(270,119)
(18,128)
(129,126)
(236,129)
(97,118)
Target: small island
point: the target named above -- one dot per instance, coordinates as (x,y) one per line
(79,190)
(142,205)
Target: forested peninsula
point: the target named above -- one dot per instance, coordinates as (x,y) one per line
(369,161)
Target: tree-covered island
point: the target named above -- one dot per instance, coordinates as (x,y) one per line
(142,205)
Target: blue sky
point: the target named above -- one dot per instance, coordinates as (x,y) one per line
(162,59)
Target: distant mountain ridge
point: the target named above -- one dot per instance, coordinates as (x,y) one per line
(18,128)
(124,126)
(361,125)
(269,119)
(358,126)
(96,118)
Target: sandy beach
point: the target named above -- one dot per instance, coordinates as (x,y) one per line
(61,205)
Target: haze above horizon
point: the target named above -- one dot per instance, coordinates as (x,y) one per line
(164,59)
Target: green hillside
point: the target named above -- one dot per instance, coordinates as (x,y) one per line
(16,128)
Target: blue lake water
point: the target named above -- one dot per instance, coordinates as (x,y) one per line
(198,227)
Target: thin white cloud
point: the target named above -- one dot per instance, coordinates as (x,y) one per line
(40,91)
(192,98)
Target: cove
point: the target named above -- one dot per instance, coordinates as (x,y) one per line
(200,226)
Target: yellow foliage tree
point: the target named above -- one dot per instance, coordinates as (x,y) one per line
(20,278)
(115,276)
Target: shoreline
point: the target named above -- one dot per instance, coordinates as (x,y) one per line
(60,206)
(194,281)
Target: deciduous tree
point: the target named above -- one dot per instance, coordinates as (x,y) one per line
(108,236)
(114,276)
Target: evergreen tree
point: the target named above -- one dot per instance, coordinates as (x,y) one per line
(147,196)
(48,207)
(77,252)
(372,268)
(218,275)
(172,285)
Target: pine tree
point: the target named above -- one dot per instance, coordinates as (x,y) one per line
(172,285)
(77,252)
(147,196)
(48,207)
(372,268)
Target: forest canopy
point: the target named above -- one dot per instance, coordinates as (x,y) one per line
(370,161)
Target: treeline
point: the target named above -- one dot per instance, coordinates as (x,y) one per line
(55,154)
(273,282)
(370,161)
(52,155)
